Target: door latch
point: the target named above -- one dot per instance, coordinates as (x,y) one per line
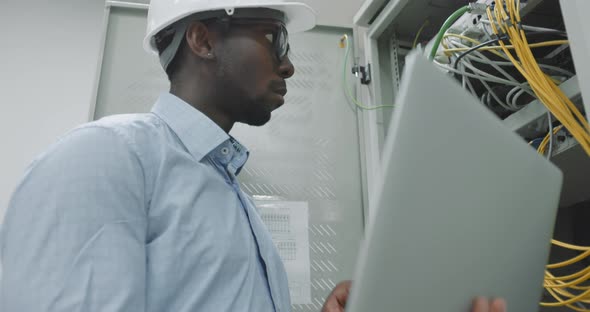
(362,72)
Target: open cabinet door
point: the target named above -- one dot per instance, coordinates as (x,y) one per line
(575,16)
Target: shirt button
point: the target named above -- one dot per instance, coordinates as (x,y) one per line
(225,151)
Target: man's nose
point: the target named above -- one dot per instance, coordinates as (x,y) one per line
(286,69)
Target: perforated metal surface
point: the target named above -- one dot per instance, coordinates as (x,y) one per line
(308,152)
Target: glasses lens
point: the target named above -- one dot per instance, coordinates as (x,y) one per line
(282,42)
(279,38)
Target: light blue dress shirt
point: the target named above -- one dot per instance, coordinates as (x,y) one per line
(139,212)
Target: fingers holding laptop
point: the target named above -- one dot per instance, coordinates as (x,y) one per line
(336,301)
(482,304)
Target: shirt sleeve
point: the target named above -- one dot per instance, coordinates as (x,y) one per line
(73,237)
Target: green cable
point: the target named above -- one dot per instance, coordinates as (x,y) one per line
(415,43)
(345,82)
(448,23)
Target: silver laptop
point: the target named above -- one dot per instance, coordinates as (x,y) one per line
(465,206)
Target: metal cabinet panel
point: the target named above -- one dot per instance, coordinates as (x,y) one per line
(575,13)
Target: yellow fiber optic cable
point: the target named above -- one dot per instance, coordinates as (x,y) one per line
(567,301)
(505,20)
(561,284)
(494,48)
(541,151)
(476,42)
(568,294)
(566,245)
(547,92)
(570,261)
(569,305)
(551,277)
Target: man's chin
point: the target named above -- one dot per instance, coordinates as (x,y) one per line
(260,120)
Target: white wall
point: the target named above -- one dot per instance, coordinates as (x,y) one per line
(335,12)
(48,60)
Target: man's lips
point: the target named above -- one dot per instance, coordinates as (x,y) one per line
(281,91)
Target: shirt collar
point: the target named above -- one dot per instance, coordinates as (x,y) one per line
(199,134)
(231,155)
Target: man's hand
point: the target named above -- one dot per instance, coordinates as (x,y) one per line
(337,299)
(481,304)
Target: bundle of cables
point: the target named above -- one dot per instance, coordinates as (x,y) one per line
(480,60)
(505,20)
(569,290)
(503,47)
(469,61)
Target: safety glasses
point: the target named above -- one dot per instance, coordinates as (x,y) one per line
(274,31)
(270,22)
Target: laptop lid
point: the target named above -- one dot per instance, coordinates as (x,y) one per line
(465,207)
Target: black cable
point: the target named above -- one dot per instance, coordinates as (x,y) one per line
(546,32)
(493,41)
(475,48)
(555,32)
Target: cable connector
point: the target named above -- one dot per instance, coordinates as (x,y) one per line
(478,8)
(365,73)
(502,37)
(343,42)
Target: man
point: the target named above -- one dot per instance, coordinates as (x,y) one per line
(143,212)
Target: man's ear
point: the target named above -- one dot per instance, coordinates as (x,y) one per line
(200,40)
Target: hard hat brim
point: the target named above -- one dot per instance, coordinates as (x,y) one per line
(300,18)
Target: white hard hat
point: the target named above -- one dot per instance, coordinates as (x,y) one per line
(163,13)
